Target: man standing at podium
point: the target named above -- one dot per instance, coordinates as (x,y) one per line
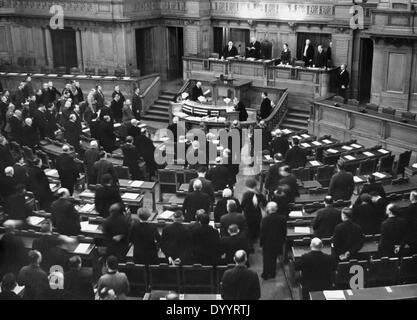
(196,92)
(240,107)
(321,58)
(343,82)
(229,51)
(253,49)
(308,53)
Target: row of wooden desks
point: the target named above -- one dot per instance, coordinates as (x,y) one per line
(129,198)
(401,292)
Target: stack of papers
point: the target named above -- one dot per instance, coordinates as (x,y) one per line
(87,208)
(327,141)
(305,145)
(383,151)
(331,150)
(305,136)
(368,154)
(316,143)
(296,214)
(350,157)
(166,215)
(286,131)
(347,148)
(34,221)
(130,196)
(87,227)
(297,137)
(379,175)
(334,295)
(356,146)
(305,230)
(82,248)
(315,163)
(136,184)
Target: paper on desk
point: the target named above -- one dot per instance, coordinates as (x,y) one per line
(286,131)
(136,184)
(327,141)
(414,165)
(296,214)
(301,229)
(383,151)
(82,248)
(348,157)
(356,179)
(305,145)
(88,207)
(347,148)
(305,136)
(334,295)
(166,215)
(368,154)
(130,196)
(379,175)
(34,221)
(268,157)
(87,194)
(85,226)
(315,163)
(332,150)
(296,137)
(356,146)
(316,143)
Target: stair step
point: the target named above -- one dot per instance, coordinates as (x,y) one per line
(163,101)
(292,127)
(160,107)
(154,111)
(297,115)
(155,118)
(296,120)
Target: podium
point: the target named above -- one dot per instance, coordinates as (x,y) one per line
(229,88)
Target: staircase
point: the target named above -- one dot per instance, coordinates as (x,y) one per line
(159,111)
(296,119)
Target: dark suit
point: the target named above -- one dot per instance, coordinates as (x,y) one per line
(16,130)
(343,80)
(79,284)
(254,53)
(117,224)
(286,57)
(91,156)
(207,187)
(231,244)
(41,123)
(317,271)
(296,157)
(393,232)
(221,208)
(229,53)
(102,167)
(326,221)
(67,170)
(99,97)
(341,185)
(412,227)
(232,218)
(219,176)
(291,182)
(273,235)
(348,236)
(39,185)
(266,108)
(320,60)
(195,93)
(136,105)
(105,196)
(308,58)
(377,187)
(280,145)
(131,160)
(72,134)
(175,241)
(240,283)
(206,245)
(243,114)
(65,218)
(365,216)
(145,239)
(193,202)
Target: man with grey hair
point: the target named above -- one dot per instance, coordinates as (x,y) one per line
(91,156)
(343,81)
(240,283)
(272,239)
(194,201)
(316,269)
(7,183)
(65,218)
(221,206)
(197,91)
(232,217)
(29,135)
(32,277)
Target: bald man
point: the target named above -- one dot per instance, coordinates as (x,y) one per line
(317,269)
(272,239)
(91,156)
(29,135)
(196,92)
(65,218)
(240,283)
(67,169)
(7,183)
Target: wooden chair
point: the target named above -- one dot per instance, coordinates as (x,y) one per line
(386,164)
(343,275)
(164,277)
(383,272)
(122,172)
(367,167)
(167,182)
(138,277)
(90,71)
(372,107)
(408,270)
(408,115)
(304,174)
(403,161)
(324,174)
(60,70)
(75,71)
(103,72)
(388,110)
(119,73)
(219,272)
(197,279)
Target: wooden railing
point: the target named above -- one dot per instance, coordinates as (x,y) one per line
(278,113)
(150,90)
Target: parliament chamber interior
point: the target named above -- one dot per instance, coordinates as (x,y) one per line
(208,150)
